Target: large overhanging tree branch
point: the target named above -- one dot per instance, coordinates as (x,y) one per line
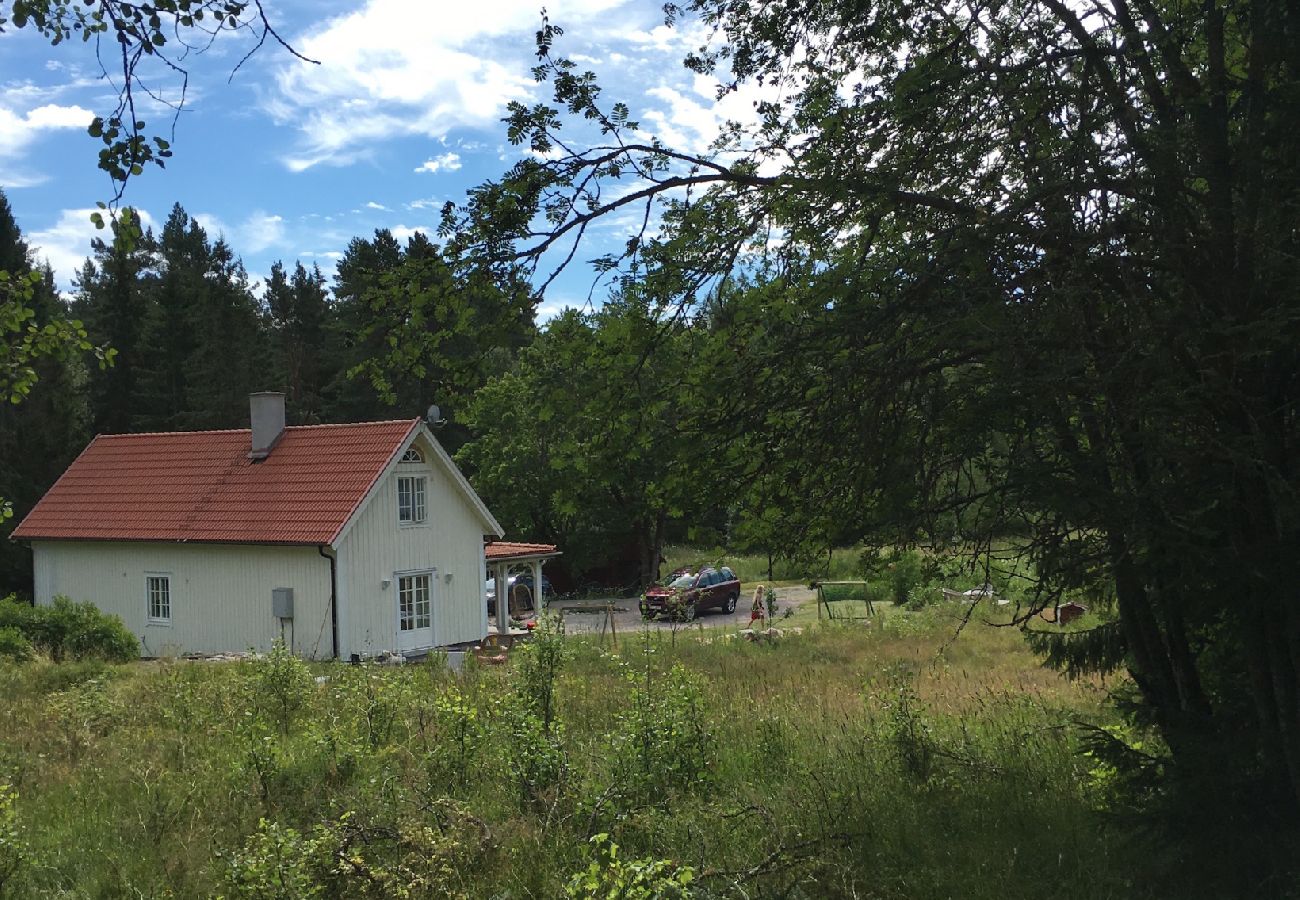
(1037,263)
(133,42)
(779,172)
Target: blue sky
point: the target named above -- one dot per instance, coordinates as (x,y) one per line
(290,161)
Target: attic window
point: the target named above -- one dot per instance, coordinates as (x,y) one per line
(413,455)
(411,509)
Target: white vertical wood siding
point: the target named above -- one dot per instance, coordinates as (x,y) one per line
(220,593)
(376,548)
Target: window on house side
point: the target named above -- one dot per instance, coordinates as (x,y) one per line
(412,456)
(411,509)
(158,591)
(413,602)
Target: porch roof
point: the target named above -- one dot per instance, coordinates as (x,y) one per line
(514,551)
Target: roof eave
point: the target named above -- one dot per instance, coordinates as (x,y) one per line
(100,539)
(523,557)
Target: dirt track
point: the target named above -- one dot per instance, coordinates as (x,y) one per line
(588,616)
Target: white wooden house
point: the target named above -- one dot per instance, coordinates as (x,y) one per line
(343,539)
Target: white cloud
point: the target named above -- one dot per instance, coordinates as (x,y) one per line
(19,130)
(259,232)
(662,38)
(66,244)
(211,224)
(370,204)
(426,203)
(691,118)
(54,116)
(549,309)
(404,233)
(409,67)
(449,162)
(257,282)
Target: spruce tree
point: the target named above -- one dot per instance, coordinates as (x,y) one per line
(179,286)
(303,342)
(231,356)
(40,436)
(113,301)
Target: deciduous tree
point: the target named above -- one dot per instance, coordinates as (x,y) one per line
(1039,268)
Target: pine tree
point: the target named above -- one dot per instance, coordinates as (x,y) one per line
(113,301)
(303,342)
(364,263)
(40,436)
(232,357)
(180,285)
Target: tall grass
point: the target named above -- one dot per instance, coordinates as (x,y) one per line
(889,760)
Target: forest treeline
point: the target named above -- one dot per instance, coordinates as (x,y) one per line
(189,335)
(574,433)
(1013,277)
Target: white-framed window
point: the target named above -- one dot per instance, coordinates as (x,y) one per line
(413,455)
(158,598)
(411,506)
(413,607)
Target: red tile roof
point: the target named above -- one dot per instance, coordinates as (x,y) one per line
(201,486)
(499,550)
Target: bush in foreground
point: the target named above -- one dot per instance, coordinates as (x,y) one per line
(64,630)
(14,645)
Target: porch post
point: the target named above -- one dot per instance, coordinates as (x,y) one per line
(503,599)
(537,587)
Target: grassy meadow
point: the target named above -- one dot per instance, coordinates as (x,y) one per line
(897,759)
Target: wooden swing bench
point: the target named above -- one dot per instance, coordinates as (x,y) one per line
(494,650)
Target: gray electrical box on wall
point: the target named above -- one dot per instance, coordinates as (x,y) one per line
(282,602)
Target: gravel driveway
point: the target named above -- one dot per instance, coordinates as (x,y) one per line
(588,616)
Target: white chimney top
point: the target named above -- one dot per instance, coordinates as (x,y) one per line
(266,412)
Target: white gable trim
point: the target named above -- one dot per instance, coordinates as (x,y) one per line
(494,527)
(447,464)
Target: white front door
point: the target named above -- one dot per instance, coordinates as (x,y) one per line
(415,610)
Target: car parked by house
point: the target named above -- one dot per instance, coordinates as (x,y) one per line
(689,592)
(525,579)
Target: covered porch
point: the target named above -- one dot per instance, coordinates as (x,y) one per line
(504,557)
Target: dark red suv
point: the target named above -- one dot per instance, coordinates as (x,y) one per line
(689,592)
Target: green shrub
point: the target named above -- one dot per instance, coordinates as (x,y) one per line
(13,850)
(84,712)
(348,857)
(14,645)
(905,571)
(458,731)
(279,862)
(16,615)
(536,666)
(535,755)
(68,630)
(607,875)
(921,596)
(280,684)
(907,726)
(665,740)
(92,634)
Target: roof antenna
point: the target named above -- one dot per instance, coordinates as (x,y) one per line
(434,417)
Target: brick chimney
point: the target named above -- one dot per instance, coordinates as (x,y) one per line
(266,412)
